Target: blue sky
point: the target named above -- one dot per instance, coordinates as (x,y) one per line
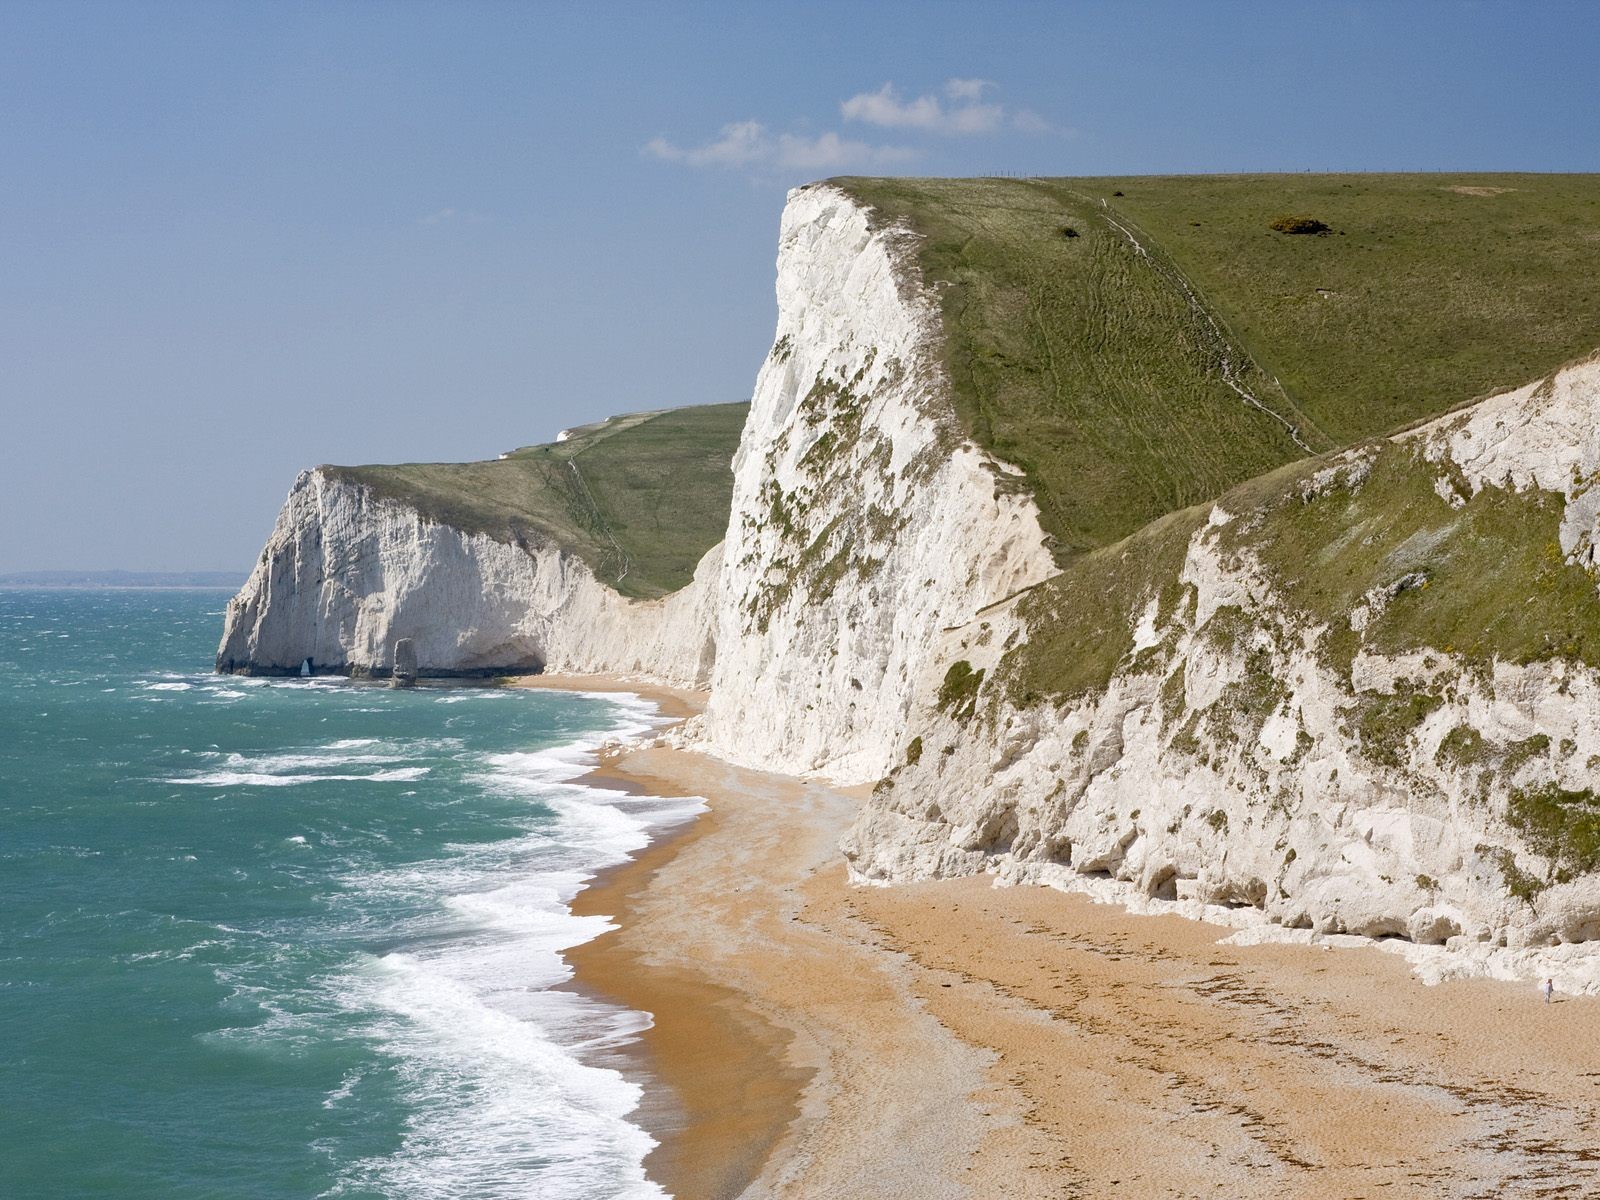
(242,239)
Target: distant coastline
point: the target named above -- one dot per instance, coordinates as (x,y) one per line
(231,580)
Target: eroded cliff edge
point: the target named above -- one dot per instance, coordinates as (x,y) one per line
(1357,693)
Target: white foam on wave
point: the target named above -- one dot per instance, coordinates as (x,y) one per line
(463,695)
(499,1109)
(491,1057)
(265,779)
(634,716)
(503,1074)
(321,764)
(295,762)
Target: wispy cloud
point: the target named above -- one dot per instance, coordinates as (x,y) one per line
(960,107)
(445,216)
(966,89)
(1025,120)
(961,110)
(752,144)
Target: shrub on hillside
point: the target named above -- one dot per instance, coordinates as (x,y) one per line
(1290,224)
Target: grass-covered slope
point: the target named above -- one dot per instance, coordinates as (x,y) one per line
(1138,345)
(1480,576)
(639,498)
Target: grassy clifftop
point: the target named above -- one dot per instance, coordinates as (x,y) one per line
(1139,345)
(639,498)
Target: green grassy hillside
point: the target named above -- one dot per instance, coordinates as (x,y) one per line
(1101,331)
(640,498)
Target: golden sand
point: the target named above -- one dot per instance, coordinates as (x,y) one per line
(953,1039)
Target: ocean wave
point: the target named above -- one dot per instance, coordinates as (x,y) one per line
(635,716)
(273,763)
(319,764)
(502,1073)
(264,779)
(497,1106)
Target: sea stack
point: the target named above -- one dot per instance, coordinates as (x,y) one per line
(405,664)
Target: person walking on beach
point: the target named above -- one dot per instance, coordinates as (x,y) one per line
(1549,989)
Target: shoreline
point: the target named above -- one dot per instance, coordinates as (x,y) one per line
(724,1093)
(787,1059)
(675,704)
(951,1038)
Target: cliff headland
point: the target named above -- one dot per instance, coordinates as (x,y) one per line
(1220,546)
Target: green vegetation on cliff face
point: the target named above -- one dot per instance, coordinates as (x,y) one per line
(1099,362)
(640,499)
(1560,825)
(1081,622)
(1482,578)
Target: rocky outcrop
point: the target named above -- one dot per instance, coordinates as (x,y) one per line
(403,672)
(345,575)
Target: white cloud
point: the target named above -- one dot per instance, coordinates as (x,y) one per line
(751,144)
(959,108)
(739,144)
(884,107)
(966,113)
(966,89)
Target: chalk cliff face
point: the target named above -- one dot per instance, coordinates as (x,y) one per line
(861,522)
(1237,764)
(871,613)
(345,575)
(860,525)
(1227,766)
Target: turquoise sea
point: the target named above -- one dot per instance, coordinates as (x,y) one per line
(285,938)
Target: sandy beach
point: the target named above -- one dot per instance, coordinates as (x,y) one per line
(814,1039)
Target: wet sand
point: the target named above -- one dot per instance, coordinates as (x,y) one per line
(676,703)
(721,1091)
(815,1040)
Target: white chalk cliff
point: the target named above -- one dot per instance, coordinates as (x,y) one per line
(861,524)
(871,546)
(1224,771)
(346,574)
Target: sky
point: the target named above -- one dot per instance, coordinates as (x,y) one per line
(238,240)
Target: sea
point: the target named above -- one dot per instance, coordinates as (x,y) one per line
(298,938)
